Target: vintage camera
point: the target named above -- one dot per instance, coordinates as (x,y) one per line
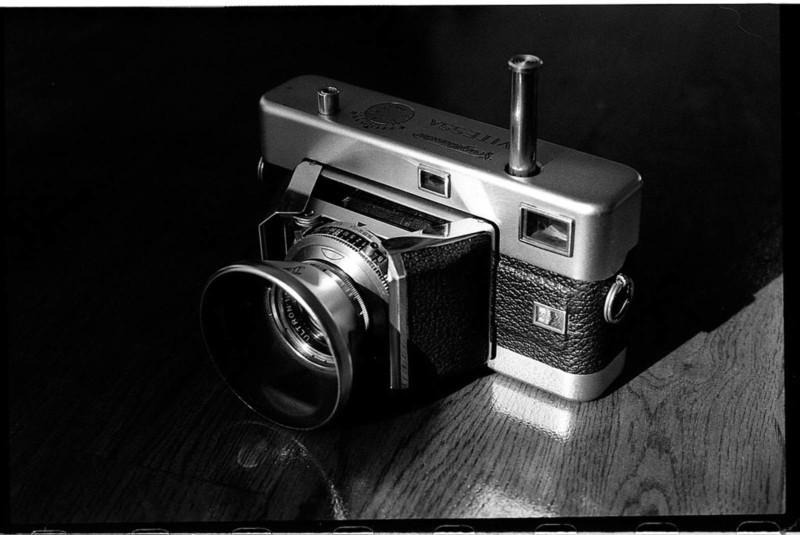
(412,244)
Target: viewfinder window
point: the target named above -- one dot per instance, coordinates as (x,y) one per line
(546,231)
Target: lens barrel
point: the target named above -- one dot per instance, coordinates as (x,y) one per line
(287,335)
(284,335)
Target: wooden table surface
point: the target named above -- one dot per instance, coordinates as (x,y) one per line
(131,143)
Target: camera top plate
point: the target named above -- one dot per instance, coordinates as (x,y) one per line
(391,141)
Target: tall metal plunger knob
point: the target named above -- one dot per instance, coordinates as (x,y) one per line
(524,92)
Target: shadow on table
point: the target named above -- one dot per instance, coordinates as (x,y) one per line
(704,254)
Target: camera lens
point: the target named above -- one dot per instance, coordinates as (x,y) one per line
(286,335)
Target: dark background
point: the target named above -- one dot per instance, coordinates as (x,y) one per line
(131,143)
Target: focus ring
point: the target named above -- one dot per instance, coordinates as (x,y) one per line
(334,232)
(347,287)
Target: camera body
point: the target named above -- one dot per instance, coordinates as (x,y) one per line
(413,220)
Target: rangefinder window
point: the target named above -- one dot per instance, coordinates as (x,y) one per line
(547,231)
(432,181)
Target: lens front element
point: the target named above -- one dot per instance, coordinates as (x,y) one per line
(300,330)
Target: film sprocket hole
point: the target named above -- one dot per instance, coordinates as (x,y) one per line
(413,244)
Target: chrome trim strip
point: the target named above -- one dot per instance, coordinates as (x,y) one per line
(398,324)
(567,385)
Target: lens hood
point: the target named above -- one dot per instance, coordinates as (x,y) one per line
(248,344)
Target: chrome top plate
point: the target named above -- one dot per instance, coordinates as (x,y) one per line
(387,139)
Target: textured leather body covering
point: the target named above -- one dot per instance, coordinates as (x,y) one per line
(449,289)
(589,343)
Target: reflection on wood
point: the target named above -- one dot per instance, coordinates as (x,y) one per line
(700,432)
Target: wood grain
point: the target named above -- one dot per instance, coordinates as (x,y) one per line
(701,432)
(130,179)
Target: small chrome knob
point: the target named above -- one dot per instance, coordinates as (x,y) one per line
(327,100)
